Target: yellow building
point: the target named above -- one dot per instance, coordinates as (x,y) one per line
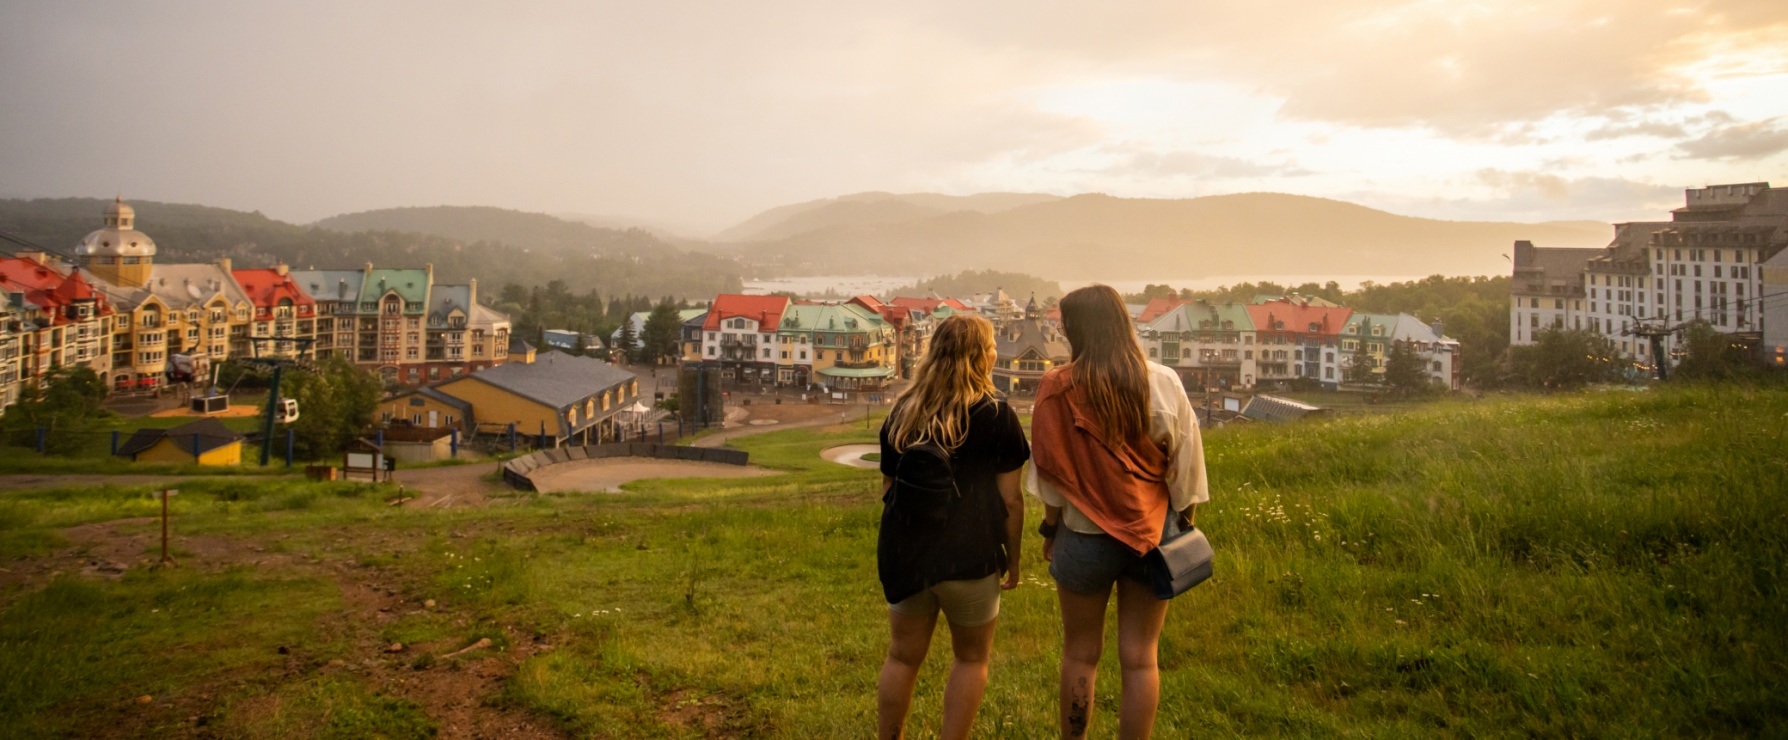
(426,408)
(206,442)
(163,309)
(565,398)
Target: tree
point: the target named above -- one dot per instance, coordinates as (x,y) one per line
(1359,365)
(65,406)
(1565,358)
(335,405)
(1711,355)
(1404,371)
(664,331)
(628,343)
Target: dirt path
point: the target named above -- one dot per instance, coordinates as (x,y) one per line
(449,486)
(21,481)
(852,455)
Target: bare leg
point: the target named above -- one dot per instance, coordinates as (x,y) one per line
(968,678)
(1140,616)
(1083,640)
(900,672)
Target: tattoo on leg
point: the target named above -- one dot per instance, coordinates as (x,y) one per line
(1079,709)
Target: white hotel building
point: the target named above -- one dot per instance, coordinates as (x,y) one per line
(1702,264)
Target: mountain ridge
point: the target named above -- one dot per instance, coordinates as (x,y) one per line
(1109,237)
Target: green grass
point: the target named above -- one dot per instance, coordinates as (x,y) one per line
(1602,564)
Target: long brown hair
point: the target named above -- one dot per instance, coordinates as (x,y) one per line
(955,374)
(1107,361)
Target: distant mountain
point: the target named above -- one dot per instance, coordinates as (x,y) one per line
(1102,237)
(867,209)
(462,244)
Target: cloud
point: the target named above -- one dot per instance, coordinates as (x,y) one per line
(1753,140)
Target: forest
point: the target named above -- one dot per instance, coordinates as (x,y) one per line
(610,262)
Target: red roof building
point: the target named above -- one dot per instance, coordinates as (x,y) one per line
(766,310)
(1298,340)
(1158,307)
(49,290)
(272,288)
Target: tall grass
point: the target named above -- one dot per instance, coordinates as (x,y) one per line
(1604,564)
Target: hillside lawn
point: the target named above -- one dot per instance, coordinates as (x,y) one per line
(1602,564)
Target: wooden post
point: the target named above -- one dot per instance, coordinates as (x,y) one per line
(165,560)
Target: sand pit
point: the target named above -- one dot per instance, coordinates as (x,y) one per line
(608,474)
(852,455)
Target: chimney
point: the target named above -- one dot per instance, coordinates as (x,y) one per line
(1523,253)
(282,269)
(472,292)
(224,262)
(429,270)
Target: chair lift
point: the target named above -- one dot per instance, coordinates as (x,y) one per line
(288,411)
(214,402)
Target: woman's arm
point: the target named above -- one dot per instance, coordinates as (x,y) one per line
(1052,519)
(1008,485)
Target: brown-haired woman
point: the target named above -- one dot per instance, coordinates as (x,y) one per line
(1117,450)
(946,554)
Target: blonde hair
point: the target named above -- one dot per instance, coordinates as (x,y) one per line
(1108,364)
(956,373)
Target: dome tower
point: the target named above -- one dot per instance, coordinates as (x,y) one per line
(118,253)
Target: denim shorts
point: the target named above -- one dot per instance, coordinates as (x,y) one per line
(1091,563)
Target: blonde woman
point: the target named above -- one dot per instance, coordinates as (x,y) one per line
(1118,457)
(951,520)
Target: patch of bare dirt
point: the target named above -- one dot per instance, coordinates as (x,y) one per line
(448,486)
(461,694)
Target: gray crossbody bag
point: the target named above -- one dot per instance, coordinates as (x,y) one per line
(1182,561)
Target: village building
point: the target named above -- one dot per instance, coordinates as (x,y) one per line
(739,337)
(840,346)
(1024,350)
(1207,345)
(638,322)
(1367,341)
(400,323)
(63,320)
(1298,340)
(691,338)
(1704,264)
(1774,300)
(285,317)
(427,408)
(559,399)
(203,442)
(191,311)
(11,351)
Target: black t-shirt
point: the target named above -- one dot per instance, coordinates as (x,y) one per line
(971,541)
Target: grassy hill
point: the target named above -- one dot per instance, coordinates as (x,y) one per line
(1103,237)
(491,245)
(1604,564)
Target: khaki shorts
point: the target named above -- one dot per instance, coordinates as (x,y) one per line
(964,603)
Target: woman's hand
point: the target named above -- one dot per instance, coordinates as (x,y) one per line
(1048,549)
(1011,581)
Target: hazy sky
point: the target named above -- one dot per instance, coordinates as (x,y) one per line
(702,113)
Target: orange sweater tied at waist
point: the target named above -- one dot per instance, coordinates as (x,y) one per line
(1123,490)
